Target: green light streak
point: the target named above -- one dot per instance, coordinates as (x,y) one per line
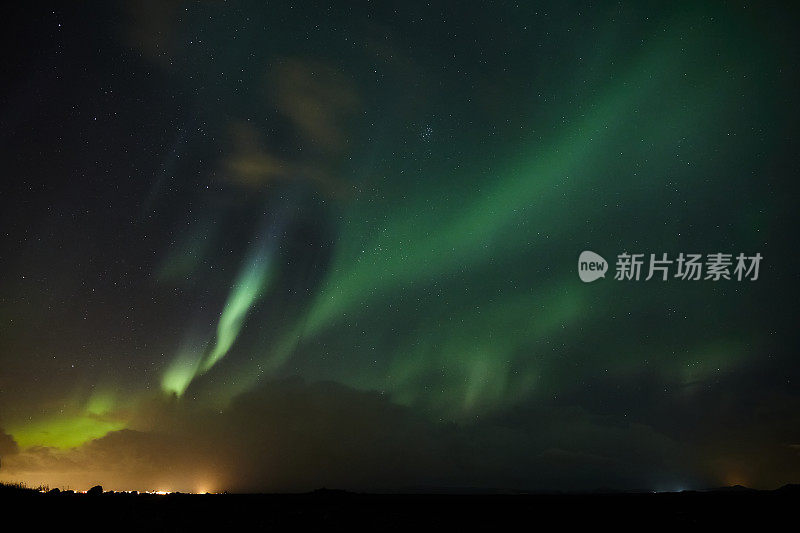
(182,369)
(419,243)
(246,291)
(497,361)
(248,288)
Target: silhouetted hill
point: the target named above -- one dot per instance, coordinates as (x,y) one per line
(331,508)
(734,488)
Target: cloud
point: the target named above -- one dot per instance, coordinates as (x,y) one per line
(298,436)
(8,446)
(253,164)
(317,98)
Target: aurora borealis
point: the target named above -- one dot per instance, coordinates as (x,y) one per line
(275,247)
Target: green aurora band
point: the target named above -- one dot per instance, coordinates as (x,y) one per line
(451,285)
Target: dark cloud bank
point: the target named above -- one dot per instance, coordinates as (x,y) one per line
(296,436)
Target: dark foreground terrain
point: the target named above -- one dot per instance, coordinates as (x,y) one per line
(339,510)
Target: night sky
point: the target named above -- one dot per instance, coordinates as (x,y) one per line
(257,246)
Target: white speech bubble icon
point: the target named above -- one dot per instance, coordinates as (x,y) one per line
(591,266)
